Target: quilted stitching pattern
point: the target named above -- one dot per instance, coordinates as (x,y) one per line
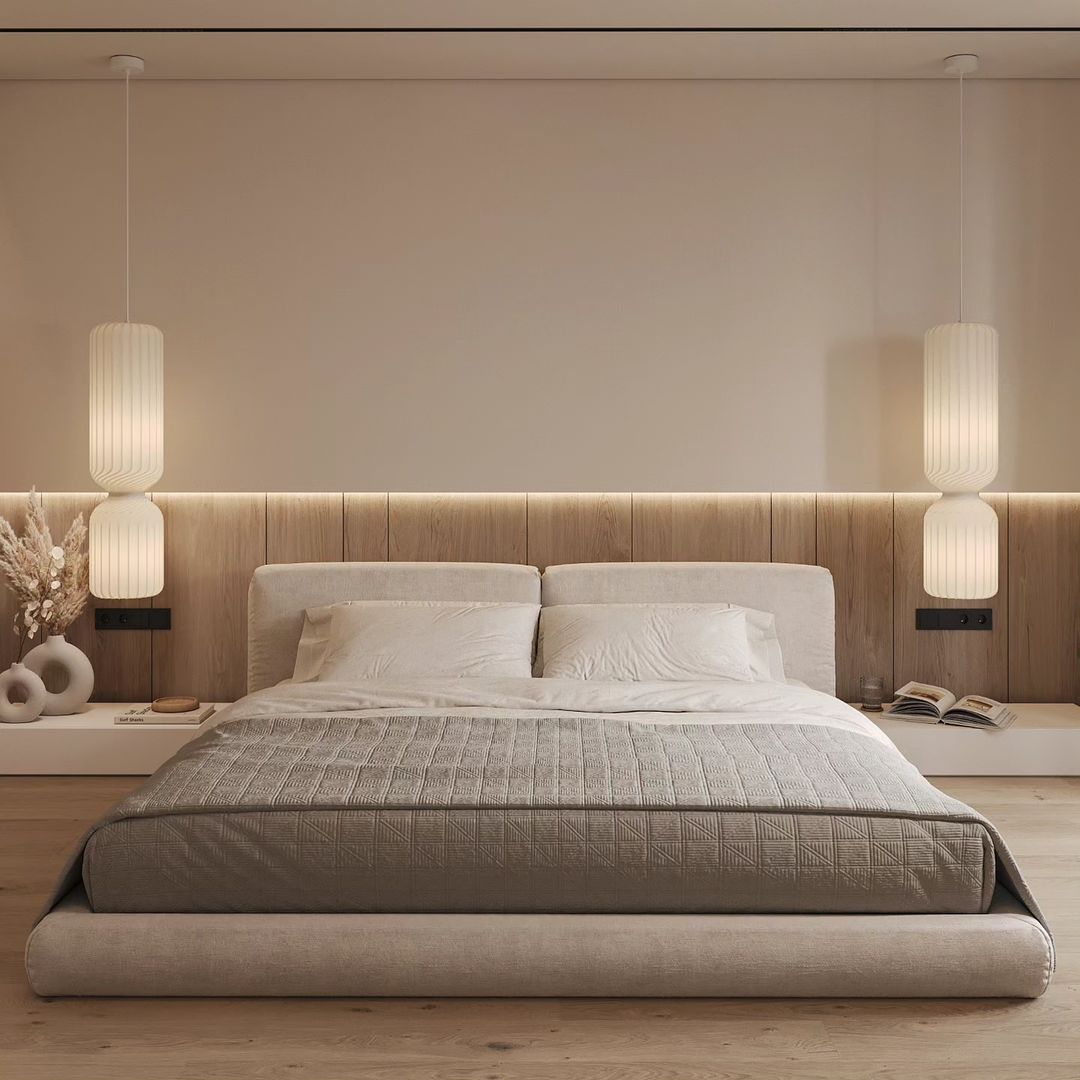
(467,761)
(552,813)
(537,860)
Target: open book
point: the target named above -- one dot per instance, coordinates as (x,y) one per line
(934,704)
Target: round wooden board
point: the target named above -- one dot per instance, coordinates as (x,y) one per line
(174,704)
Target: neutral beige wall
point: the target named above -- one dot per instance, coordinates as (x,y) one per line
(560,286)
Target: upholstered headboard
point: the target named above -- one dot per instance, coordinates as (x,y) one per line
(801,598)
(280,594)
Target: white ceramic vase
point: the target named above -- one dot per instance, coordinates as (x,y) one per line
(56,653)
(21,678)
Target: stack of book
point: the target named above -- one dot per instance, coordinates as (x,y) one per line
(144,714)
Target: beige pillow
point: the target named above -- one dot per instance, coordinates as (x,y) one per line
(370,639)
(645,642)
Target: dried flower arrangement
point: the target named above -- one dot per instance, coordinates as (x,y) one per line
(51,581)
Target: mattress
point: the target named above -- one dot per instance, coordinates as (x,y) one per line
(539,796)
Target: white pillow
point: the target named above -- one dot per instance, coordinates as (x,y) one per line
(314,641)
(766,656)
(642,642)
(315,636)
(371,639)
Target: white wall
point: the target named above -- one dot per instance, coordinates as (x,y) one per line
(540,286)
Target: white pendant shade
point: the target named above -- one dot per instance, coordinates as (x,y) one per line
(960,432)
(127,398)
(960,548)
(127,388)
(960,385)
(127,548)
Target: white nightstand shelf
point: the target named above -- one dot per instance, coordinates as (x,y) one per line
(1044,741)
(90,744)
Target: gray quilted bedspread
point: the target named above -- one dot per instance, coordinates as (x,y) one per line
(544,814)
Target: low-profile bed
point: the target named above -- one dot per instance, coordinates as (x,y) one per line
(556,836)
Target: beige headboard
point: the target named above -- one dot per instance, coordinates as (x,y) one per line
(801,598)
(280,594)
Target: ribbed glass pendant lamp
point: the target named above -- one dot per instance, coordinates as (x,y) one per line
(960,435)
(127,391)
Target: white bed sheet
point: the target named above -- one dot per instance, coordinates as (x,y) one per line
(655,702)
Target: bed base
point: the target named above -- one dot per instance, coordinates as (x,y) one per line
(74,951)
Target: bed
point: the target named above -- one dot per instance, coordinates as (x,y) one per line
(541,836)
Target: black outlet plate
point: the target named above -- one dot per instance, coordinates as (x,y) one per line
(935,618)
(133,618)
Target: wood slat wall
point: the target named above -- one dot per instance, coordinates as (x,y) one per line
(579,528)
(702,528)
(367,527)
(855,541)
(794,528)
(1044,597)
(213,543)
(305,528)
(458,528)
(871,543)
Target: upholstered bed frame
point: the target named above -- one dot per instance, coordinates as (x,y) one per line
(1003,953)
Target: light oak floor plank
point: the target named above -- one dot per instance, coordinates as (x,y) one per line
(383,1039)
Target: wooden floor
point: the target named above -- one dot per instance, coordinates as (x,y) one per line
(114,1039)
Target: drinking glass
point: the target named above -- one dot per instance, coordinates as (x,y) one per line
(872,689)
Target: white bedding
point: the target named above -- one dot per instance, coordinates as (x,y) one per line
(381,639)
(643,642)
(656,702)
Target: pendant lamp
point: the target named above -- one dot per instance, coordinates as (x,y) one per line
(960,433)
(127,533)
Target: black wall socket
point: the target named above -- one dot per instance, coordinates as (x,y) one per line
(133,618)
(933,618)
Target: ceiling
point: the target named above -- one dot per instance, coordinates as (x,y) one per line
(538,39)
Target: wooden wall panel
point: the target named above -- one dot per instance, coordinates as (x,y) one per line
(366,527)
(872,544)
(794,528)
(1044,597)
(13,509)
(967,663)
(702,528)
(458,528)
(579,528)
(305,528)
(855,541)
(121,658)
(213,543)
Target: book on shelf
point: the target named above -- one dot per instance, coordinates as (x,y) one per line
(144,714)
(925,704)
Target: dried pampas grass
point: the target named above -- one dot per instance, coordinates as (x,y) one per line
(51,581)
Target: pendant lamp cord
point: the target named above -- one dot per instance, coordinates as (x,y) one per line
(961,194)
(127,196)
